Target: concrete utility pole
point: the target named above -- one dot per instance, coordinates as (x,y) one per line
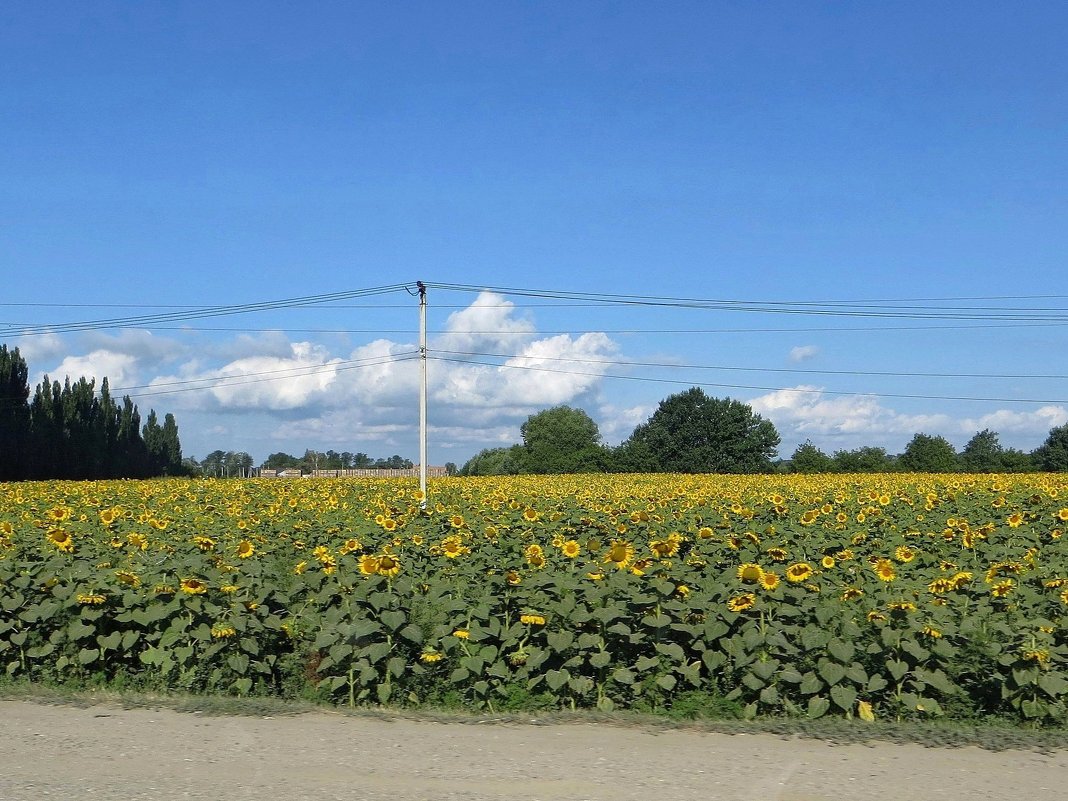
(422,391)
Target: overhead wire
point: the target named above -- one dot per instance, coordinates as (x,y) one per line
(730,368)
(805,390)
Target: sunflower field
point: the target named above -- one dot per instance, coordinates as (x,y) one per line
(890,596)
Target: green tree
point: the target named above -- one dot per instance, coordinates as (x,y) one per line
(155,444)
(693,433)
(928,454)
(172,447)
(561,440)
(1052,455)
(982,453)
(278,461)
(494,462)
(1014,460)
(810,459)
(868,459)
(14,414)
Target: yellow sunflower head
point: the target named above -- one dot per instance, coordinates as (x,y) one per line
(620,554)
(740,603)
(798,572)
(750,573)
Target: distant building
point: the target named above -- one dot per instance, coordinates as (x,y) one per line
(432,471)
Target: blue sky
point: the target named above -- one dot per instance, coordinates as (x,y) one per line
(163,157)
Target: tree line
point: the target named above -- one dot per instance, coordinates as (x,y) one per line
(691,432)
(72,431)
(239,464)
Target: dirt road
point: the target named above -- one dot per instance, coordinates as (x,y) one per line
(107,753)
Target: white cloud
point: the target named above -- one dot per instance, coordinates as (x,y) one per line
(1006,421)
(618,424)
(369,398)
(803,353)
(41,348)
(261,382)
(486,326)
(807,412)
(849,421)
(118,368)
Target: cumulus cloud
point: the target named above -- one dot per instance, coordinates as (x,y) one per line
(487,373)
(849,421)
(261,382)
(806,412)
(803,353)
(40,348)
(619,423)
(489,324)
(118,368)
(1006,421)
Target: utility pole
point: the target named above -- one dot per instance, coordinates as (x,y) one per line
(422,391)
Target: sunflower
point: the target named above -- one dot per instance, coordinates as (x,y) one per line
(852,593)
(739,603)
(940,585)
(932,632)
(827,562)
(194,586)
(91,599)
(532,619)
(388,565)
(221,631)
(667,547)
(204,543)
(59,513)
(369,565)
(571,549)
(429,657)
(136,540)
(901,606)
(798,572)
(128,578)
(349,546)
(107,516)
(960,579)
(453,547)
(245,549)
(769,580)
(884,569)
(1014,520)
(456,521)
(750,573)
(809,517)
(1002,588)
(620,554)
(531,515)
(462,634)
(777,554)
(535,555)
(61,539)
(904,553)
(1039,655)
(704,532)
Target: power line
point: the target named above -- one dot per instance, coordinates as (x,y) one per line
(728,368)
(207,311)
(805,390)
(578,331)
(820,308)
